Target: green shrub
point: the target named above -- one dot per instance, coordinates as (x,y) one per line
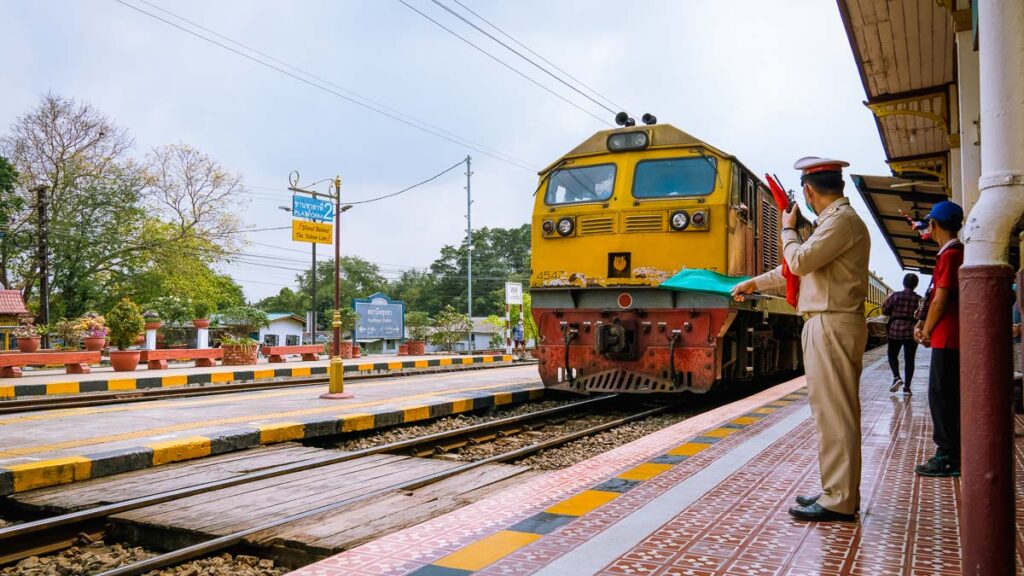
(418,324)
(125,323)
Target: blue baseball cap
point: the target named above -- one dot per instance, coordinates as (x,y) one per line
(947,213)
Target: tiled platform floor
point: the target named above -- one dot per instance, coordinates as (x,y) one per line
(736,526)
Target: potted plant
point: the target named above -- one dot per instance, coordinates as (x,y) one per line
(152,320)
(201,314)
(418,324)
(28,338)
(125,322)
(239,347)
(94,329)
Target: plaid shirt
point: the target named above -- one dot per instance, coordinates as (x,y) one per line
(900,307)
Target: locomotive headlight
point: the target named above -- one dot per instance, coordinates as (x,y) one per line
(699,219)
(627,141)
(679,220)
(565,226)
(548,227)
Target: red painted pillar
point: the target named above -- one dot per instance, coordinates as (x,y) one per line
(986,370)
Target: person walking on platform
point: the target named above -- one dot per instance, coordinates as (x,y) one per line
(833,267)
(900,308)
(939,328)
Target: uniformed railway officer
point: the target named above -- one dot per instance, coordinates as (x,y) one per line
(833,265)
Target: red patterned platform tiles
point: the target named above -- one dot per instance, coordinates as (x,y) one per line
(707,496)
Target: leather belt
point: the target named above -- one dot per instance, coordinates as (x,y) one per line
(809,315)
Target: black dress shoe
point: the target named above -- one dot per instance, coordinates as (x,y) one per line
(807,500)
(816,513)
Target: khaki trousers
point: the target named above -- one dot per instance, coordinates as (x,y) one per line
(833,345)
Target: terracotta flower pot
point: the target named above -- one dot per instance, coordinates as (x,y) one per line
(124,360)
(28,345)
(239,355)
(140,339)
(346,350)
(417,347)
(357,352)
(403,349)
(201,322)
(94,343)
(154,325)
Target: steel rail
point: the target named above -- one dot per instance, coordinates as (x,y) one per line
(20,530)
(222,542)
(151,394)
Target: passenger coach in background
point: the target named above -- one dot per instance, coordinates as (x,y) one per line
(613,220)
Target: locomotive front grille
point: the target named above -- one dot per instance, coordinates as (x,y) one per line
(589,226)
(644,223)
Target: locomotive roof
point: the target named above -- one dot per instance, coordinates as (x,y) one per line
(661,136)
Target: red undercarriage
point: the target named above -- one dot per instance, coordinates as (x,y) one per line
(630,350)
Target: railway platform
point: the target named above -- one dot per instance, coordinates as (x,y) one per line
(51,382)
(707,496)
(59,446)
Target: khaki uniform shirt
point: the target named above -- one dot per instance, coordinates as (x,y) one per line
(832,263)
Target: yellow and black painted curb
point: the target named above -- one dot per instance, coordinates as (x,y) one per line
(487,550)
(19,391)
(16,478)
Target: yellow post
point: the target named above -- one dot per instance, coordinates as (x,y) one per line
(336,370)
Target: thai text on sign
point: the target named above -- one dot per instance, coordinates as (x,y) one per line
(315,232)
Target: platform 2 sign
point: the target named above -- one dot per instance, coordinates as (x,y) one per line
(315,232)
(312,209)
(380,317)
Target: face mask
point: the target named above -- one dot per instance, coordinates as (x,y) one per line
(810,208)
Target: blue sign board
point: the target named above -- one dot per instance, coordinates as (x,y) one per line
(380,317)
(313,209)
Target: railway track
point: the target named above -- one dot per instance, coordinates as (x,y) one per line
(148,395)
(56,533)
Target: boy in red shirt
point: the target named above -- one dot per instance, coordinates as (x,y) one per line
(940,329)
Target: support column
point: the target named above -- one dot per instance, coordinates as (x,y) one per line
(987,527)
(150,338)
(969,105)
(202,338)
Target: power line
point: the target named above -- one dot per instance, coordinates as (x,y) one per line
(505,64)
(524,57)
(454,140)
(432,178)
(324,80)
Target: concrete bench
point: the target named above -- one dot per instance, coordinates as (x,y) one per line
(276,354)
(74,362)
(204,357)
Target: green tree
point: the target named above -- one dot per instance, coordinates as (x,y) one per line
(10,205)
(82,156)
(359,279)
(450,327)
(286,300)
(499,255)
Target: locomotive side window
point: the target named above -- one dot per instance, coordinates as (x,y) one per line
(583,184)
(749,197)
(675,177)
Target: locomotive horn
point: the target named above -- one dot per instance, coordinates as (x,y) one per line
(622,119)
(649,119)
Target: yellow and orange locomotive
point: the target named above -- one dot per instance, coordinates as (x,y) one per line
(616,217)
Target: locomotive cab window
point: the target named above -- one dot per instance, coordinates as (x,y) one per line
(675,177)
(583,184)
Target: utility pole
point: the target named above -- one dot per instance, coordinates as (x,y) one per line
(469,252)
(312,328)
(44,259)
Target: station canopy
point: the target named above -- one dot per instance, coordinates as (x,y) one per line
(905,53)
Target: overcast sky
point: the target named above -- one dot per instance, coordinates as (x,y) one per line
(767,81)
